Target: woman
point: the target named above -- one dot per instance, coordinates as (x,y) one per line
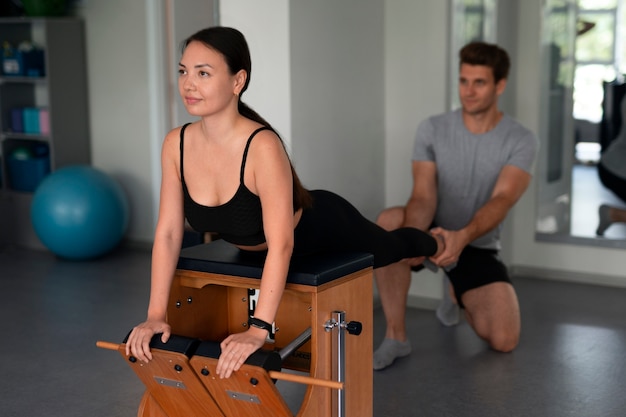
(229,173)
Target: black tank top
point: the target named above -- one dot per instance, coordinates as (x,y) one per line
(239,220)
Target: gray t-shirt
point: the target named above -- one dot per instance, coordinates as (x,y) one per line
(468,166)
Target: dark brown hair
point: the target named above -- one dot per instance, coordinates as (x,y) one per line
(489,55)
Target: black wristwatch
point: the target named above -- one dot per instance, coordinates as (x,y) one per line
(258,323)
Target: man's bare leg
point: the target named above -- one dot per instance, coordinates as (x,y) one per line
(393,282)
(493,312)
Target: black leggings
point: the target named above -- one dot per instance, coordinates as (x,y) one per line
(333,224)
(612,182)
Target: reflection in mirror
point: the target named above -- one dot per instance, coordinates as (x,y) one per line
(581,115)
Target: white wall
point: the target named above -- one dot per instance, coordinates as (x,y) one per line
(265,24)
(119,97)
(131,53)
(416,87)
(337,90)
(183,19)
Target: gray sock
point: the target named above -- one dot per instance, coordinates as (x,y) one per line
(605,220)
(388,351)
(448,311)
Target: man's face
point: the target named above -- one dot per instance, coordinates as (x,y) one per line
(477,89)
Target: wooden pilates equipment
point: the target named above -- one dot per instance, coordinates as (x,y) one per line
(212,296)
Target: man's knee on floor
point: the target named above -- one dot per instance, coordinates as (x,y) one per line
(500,337)
(503,341)
(493,313)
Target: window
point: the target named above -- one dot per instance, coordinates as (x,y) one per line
(600,54)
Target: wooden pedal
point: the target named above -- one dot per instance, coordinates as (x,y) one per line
(248,392)
(171,380)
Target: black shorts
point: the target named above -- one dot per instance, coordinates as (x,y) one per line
(475,268)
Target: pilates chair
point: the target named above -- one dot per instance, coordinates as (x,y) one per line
(214,293)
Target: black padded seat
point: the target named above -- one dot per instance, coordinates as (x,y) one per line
(220,257)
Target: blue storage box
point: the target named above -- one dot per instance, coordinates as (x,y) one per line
(27,166)
(17,120)
(31,120)
(23,63)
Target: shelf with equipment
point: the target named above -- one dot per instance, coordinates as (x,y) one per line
(44,118)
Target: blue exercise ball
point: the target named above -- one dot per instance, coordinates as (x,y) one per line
(79,212)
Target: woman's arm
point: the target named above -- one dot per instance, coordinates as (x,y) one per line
(165,252)
(269,171)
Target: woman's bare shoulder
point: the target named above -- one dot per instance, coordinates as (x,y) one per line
(172,138)
(266,138)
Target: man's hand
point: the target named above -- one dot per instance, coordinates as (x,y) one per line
(456,240)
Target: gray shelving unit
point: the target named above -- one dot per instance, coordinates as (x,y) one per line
(63,91)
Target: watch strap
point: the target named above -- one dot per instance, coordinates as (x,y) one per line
(261,324)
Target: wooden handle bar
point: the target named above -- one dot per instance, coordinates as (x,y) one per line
(300,379)
(307,380)
(107,345)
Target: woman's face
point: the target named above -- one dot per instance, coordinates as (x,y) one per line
(205,83)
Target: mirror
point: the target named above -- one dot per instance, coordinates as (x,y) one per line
(580,108)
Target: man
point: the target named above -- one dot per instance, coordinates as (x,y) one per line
(470,166)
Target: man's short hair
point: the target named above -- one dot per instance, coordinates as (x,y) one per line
(487,54)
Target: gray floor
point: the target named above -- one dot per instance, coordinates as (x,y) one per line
(571,360)
(588,194)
